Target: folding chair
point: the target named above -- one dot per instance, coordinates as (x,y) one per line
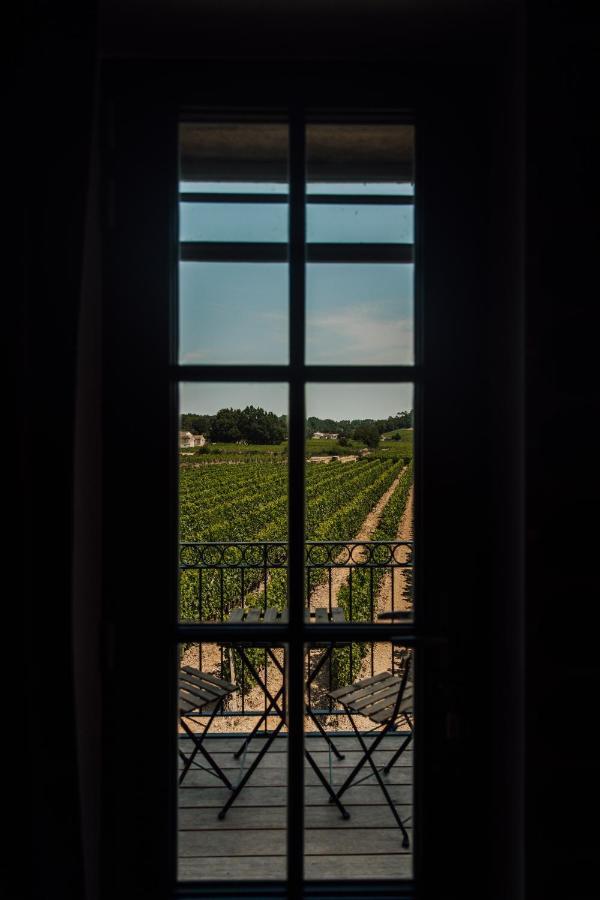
(201,695)
(386,700)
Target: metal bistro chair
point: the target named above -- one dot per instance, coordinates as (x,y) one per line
(201,695)
(387,700)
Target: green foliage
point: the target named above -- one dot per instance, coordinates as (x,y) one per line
(252,425)
(196,424)
(367,434)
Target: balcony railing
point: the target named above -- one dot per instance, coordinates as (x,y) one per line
(364,578)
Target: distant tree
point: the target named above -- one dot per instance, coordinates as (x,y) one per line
(367,434)
(225,426)
(197,424)
(343,440)
(260,427)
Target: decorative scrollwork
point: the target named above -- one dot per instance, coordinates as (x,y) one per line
(274,554)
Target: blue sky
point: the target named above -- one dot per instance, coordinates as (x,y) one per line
(238,313)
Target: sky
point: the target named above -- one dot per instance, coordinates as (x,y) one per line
(325,401)
(238,312)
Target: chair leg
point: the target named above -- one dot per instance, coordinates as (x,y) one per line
(398,752)
(236,790)
(332,794)
(326,656)
(368,751)
(323,733)
(263,717)
(377,774)
(198,743)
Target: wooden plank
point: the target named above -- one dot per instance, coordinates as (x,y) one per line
(340,842)
(196,699)
(267,868)
(321,757)
(405,706)
(207,676)
(206,692)
(253,615)
(271,816)
(236,615)
(365,794)
(339,692)
(271,614)
(337,614)
(232,869)
(382,699)
(231,843)
(278,777)
(314,742)
(358,866)
(203,689)
(321,615)
(371,691)
(317,842)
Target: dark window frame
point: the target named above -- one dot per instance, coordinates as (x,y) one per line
(140,109)
(297,374)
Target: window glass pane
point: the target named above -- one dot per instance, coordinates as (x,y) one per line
(233,222)
(358,314)
(228,220)
(233,505)
(359,501)
(360,234)
(233,313)
(225,831)
(380,213)
(233,524)
(354,827)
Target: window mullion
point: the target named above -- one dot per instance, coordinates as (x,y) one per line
(296,537)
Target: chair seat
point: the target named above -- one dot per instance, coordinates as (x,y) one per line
(198,690)
(374,697)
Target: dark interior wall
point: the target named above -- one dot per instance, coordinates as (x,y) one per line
(55,82)
(563,674)
(549,205)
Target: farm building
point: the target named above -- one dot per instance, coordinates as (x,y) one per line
(187,439)
(325,436)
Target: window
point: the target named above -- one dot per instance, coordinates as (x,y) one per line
(343,335)
(143,373)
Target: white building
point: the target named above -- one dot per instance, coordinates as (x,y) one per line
(325,436)
(186,439)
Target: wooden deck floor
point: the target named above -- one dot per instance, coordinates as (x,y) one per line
(250,842)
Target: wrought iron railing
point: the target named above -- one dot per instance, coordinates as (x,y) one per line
(364,578)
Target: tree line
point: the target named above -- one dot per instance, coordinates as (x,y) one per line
(254,425)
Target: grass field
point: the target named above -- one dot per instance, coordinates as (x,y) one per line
(314,447)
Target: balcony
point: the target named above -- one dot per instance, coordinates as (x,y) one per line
(367,580)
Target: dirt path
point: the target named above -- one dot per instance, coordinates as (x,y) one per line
(397,585)
(320,595)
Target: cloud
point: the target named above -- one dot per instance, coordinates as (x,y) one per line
(362,333)
(196,356)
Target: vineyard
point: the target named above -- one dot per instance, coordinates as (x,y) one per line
(248,502)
